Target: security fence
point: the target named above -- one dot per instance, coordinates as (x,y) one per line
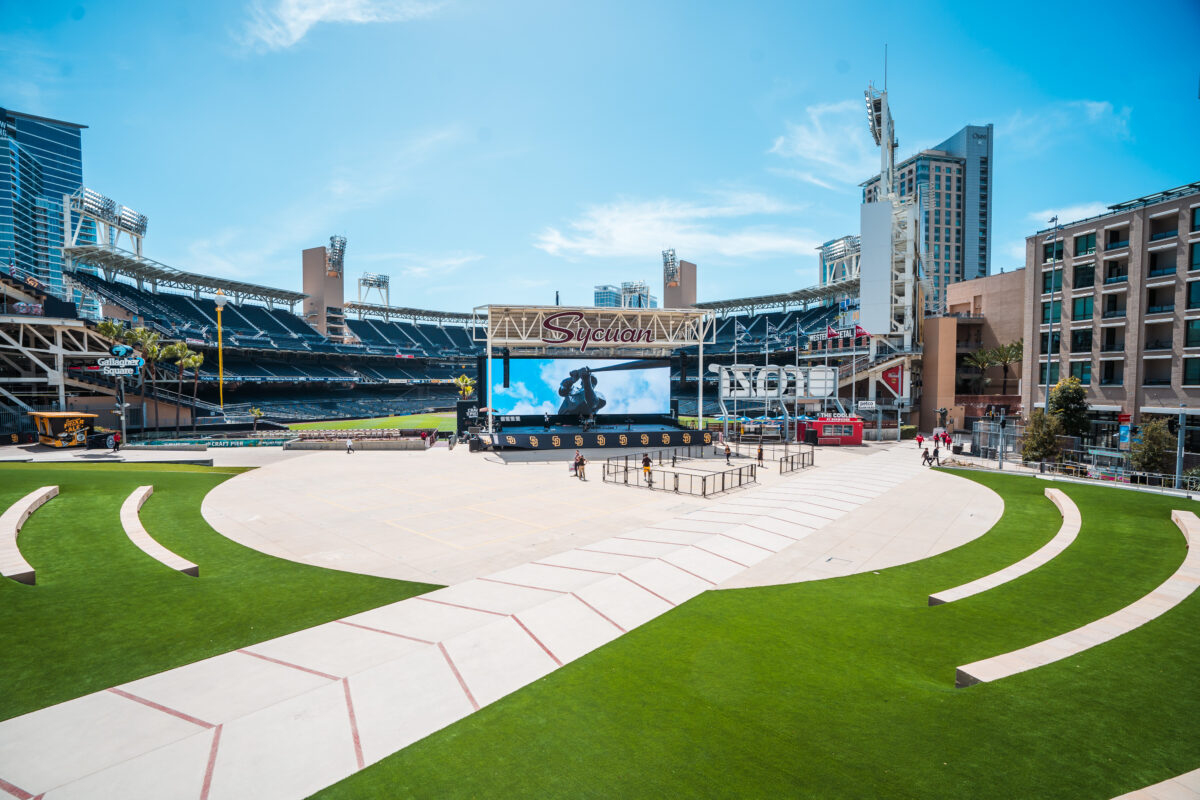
(691,482)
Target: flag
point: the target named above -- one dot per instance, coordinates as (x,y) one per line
(772,332)
(830,333)
(739,331)
(859,330)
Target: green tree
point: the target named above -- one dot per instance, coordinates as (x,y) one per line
(983,360)
(112,329)
(466,386)
(194,362)
(257,413)
(1041,437)
(177,352)
(1006,355)
(1154,449)
(1068,402)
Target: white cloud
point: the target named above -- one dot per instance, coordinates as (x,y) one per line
(637,228)
(287,21)
(1038,130)
(1065,214)
(833,144)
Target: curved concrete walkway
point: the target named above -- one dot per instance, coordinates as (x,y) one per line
(1181,787)
(12,563)
(137,534)
(286,717)
(1170,593)
(1066,534)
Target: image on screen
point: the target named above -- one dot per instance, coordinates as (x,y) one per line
(582,387)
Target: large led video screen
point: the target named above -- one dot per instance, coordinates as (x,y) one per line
(577,386)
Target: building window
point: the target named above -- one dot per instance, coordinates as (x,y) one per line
(1194,261)
(1192,333)
(1053,373)
(1082,370)
(1051,312)
(1052,281)
(1196,218)
(1193,294)
(1081,341)
(1191,371)
(1051,252)
(1085,277)
(1081,307)
(1085,244)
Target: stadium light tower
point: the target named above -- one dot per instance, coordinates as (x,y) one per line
(335,260)
(670,268)
(373,281)
(220,301)
(883,130)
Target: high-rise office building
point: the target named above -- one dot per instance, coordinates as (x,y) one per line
(630,294)
(41,160)
(952,185)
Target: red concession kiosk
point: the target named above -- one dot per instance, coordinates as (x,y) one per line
(833,430)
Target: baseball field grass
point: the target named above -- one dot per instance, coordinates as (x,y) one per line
(443,422)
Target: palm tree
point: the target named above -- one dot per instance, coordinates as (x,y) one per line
(257,413)
(148,342)
(1007,354)
(112,329)
(983,360)
(194,362)
(177,352)
(466,386)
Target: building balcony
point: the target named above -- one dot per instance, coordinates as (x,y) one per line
(1117,245)
(1112,382)
(1158,344)
(1116,279)
(1158,237)
(1116,313)
(1162,309)
(1156,381)
(1115,347)
(1161,272)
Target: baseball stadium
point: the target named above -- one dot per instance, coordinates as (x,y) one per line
(264,542)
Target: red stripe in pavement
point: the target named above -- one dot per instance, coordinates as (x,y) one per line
(540,644)
(607,553)
(212,763)
(162,708)
(290,664)
(718,555)
(458,675)
(598,611)
(703,533)
(465,608)
(577,569)
(358,753)
(656,541)
(688,571)
(523,585)
(651,591)
(743,541)
(777,533)
(15,791)
(381,630)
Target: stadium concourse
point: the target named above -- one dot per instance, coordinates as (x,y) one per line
(541,569)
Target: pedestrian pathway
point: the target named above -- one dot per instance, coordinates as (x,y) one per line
(286,717)
(1181,787)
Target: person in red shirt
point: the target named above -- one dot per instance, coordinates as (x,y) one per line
(920,441)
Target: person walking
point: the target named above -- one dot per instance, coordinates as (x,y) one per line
(760,454)
(920,441)
(117,442)
(349,445)
(575,464)
(926,459)
(646,471)
(581,469)
(727,452)
(937,461)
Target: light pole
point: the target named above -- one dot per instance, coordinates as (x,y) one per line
(220,300)
(1180,433)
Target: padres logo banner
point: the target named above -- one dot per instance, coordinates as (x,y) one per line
(526,441)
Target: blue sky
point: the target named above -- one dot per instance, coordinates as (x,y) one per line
(497,151)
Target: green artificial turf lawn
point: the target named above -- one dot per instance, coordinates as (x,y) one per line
(104,613)
(443,422)
(844,688)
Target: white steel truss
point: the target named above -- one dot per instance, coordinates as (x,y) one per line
(599,332)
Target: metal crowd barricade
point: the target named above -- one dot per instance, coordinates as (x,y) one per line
(797,461)
(700,484)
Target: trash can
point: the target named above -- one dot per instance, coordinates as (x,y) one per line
(956,449)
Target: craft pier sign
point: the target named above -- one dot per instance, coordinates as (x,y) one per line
(122,363)
(584,329)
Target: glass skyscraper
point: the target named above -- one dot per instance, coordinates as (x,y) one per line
(41,160)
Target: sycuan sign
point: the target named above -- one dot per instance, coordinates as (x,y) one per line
(558,329)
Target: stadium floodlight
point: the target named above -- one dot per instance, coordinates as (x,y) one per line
(375,280)
(335,258)
(132,221)
(670,268)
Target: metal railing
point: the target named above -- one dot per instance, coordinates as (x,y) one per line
(700,484)
(796,461)
(660,457)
